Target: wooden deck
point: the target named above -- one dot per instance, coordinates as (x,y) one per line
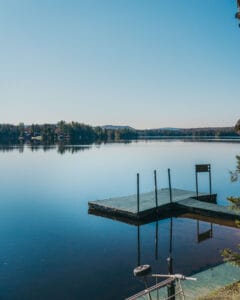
(208,209)
(183,202)
(127,206)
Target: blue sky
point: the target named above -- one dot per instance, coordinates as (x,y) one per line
(144,63)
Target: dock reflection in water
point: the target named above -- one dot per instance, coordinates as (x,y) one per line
(171,289)
(204,231)
(208,280)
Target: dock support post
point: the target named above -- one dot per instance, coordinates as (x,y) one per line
(138,194)
(170,185)
(155,184)
(210,181)
(196,174)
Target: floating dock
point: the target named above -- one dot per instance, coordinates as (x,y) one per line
(181,202)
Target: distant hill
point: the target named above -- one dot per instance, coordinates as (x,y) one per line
(167,128)
(191,129)
(117,127)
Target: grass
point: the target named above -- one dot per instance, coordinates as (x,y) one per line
(229,292)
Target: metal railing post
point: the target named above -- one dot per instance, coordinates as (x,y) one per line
(138,194)
(170,185)
(155,185)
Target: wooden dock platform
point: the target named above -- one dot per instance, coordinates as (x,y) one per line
(126,209)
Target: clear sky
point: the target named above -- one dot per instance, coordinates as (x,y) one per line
(143,63)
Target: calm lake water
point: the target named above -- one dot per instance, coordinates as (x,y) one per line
(51,248)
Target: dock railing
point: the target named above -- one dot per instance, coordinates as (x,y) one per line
(206,168)
(173,280)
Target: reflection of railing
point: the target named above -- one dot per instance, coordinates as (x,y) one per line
(202,236)
(139,243)
(143,271)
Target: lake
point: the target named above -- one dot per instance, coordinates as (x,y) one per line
(51,248)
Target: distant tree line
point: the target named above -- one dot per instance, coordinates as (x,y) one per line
(64,132)
(192,132)
(75,133)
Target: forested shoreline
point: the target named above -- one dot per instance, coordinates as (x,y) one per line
(74,132)
(64,132)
